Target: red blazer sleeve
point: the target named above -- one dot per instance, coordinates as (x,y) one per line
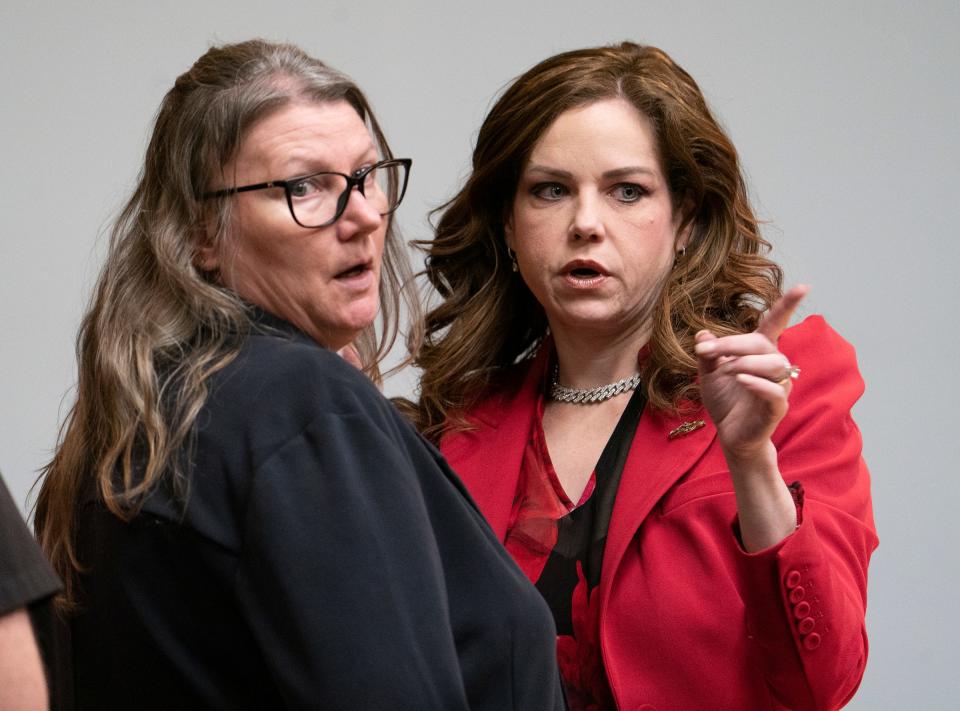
(806,597)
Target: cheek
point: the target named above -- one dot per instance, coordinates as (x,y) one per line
(533,236)
(246,230)
(656,233)
(266,240)
(380,246)
(523,227)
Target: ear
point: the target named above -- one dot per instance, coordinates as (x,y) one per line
(683,237)
(508,232)
(206,258)
(684,231)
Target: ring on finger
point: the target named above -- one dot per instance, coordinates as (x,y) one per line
(791,372)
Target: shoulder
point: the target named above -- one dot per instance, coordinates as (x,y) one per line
(274,372)
(814,338)
(829,384)
(501,393)
(275,389)
(282,396)
(27,576)
(821,353)
(513,387)
(504,410)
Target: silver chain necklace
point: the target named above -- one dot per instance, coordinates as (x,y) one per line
(584,396)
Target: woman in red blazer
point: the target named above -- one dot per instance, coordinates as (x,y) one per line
(611,373)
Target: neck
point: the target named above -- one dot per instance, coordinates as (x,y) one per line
(588,359)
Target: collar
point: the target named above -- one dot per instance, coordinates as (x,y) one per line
(267,323)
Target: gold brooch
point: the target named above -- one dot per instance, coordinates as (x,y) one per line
(686,428)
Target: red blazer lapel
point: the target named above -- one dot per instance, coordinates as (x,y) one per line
(656,461)
(488,458)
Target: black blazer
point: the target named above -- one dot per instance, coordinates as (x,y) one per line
(326,558)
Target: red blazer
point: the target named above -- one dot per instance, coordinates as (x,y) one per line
(688,620)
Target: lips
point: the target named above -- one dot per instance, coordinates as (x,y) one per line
(354,271)
(584,273)
(584,269)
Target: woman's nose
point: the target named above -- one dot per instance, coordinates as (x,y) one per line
(360,214)
(587,219)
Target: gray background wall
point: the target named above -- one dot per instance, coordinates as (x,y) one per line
(845,115)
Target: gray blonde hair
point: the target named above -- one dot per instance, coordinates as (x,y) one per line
(158,327)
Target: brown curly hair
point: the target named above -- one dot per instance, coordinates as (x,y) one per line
(487,319)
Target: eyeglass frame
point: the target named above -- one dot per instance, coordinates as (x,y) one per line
(353,181)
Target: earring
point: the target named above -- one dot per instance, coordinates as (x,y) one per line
(678,255)
(513,260)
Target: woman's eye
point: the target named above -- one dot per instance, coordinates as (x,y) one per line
(317,186)
(549,191)
(303,188)
(628,192)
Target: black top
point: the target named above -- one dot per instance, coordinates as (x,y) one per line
(582,533)
(326,558)
(26,577)
(27,580)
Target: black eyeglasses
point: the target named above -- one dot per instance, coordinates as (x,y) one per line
(318,199)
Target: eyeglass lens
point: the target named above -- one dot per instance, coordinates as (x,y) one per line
(317,199)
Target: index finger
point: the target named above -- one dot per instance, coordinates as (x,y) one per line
(778,316)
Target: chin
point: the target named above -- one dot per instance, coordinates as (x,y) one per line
(357,322)
(590,318)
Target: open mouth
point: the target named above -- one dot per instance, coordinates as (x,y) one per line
(354,271)
(584,273)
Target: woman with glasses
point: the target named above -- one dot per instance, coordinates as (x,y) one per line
(240,518)
(611,374)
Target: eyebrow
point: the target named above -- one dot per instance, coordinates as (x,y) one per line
(614,173)
(310,163)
